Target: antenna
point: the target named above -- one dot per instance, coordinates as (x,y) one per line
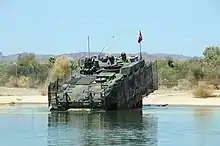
(113,37)
(88,47)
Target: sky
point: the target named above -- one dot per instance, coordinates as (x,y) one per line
(55,27)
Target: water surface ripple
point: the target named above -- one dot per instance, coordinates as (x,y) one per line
(170,126)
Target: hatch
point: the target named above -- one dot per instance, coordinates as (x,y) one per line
(87,80)
(106,75)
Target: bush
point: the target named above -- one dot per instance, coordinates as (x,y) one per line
(203,90)
(60,69)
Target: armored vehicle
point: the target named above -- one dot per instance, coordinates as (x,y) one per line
(109,83)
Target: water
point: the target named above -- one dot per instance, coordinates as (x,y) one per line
(185,126)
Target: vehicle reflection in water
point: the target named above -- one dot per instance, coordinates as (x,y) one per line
(102,128)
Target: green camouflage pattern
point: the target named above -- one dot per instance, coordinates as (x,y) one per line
(114,90)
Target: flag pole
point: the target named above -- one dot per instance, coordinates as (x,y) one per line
(140,38)
(140,52)
(88,46)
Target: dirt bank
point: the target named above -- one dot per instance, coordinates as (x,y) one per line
(21,96)
(180,98)
(32,96)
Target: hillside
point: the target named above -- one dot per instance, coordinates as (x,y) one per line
(44,57)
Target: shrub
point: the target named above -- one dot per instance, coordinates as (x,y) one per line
(60,69)
(202,90)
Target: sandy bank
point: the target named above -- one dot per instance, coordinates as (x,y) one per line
(21,96)
(23,99)
(5,91)
(177,99)
(180,98)
(31,96)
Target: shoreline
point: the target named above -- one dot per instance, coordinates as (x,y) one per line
(181,98)
(159,97)
(148,102)
(32,99)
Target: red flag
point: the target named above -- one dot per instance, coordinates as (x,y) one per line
(140,38)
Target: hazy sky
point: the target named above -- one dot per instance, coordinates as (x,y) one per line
(55,26)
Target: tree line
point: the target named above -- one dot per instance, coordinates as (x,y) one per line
(188,73)
(28,72)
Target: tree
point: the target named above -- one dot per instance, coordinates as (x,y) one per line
(212,55)
(27,59)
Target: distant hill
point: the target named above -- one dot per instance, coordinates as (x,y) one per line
(42,58)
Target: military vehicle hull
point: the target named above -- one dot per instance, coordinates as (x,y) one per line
(108,90)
